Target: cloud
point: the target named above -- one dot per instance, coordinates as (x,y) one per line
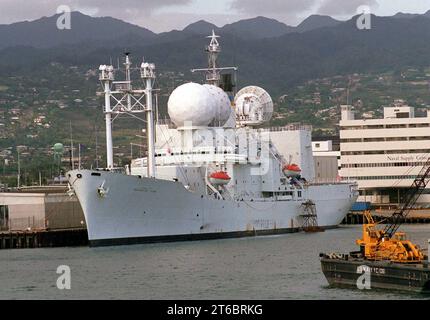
(167,21)
(262,7)
(298,7)
(344,7)
(289,11)
(19,10)
(294,11)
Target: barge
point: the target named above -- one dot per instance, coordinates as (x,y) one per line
(354,271)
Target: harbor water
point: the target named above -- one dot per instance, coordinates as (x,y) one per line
(273,267)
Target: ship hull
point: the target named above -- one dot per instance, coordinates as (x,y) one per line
(121,209)
(382,275)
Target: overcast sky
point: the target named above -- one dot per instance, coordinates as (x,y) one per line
(165,15)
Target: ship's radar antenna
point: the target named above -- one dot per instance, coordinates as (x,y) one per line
(213,49)
(121,98)
(213,73)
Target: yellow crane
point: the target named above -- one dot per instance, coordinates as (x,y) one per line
(388,244)
(375,245)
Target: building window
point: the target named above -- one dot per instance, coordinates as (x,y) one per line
(375,126)
(380,177)
(383,164)
(354,153)
(395,126)
(351,140)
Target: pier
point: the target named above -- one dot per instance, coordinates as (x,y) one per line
(39,217)
(385,216)
(43,239)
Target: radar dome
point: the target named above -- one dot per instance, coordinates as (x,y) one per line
(222,104)
(191,102)
(254,106)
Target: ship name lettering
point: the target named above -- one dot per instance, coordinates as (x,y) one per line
(372,270)
(144,190)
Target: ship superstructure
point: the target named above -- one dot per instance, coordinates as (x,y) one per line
(211,170)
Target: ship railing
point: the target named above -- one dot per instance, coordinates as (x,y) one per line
(122,85)
(167,122)
(114,170)
(328,182)
(290,127)
(195,159)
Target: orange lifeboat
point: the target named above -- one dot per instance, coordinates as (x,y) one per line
(219,178)
(292,170)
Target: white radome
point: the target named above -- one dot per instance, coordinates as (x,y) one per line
(223,108)
(191,102)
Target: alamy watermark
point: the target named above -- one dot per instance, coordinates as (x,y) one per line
(364,282)
(364,20)
(250,146)
(64,21)
(64,281)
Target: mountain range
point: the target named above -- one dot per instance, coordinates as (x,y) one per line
(267,52)
(42,33)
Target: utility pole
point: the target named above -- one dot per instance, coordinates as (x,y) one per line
(19,169)
(79,157)
(71,145)
(97,146)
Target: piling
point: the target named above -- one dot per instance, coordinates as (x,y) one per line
(43,238)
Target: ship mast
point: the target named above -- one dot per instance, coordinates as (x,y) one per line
(121,98)
(213,73)
(107,77)
(148,74)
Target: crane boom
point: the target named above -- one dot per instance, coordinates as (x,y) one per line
(414,192)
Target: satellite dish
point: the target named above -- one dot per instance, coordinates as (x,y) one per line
(254,106)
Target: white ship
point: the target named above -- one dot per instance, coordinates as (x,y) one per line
(211,172)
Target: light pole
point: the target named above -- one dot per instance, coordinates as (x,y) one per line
(19,169)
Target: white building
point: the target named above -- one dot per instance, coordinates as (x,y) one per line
(384,155)
(326,161)
(40,208)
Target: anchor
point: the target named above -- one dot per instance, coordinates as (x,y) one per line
(101,191)
(70,192)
